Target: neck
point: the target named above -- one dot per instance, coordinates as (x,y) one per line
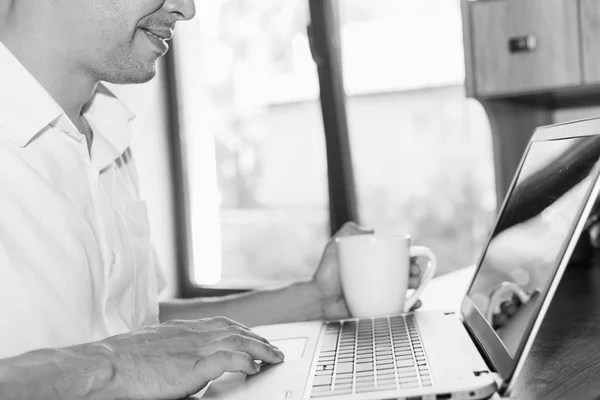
(45,57)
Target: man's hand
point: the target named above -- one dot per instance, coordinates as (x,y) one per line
(179,358)
(327,280)
(169,361)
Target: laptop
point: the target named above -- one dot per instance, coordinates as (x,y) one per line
(470,354)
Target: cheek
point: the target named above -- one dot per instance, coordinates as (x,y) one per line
(149,7)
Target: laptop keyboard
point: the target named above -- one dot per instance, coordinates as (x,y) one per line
(367,355)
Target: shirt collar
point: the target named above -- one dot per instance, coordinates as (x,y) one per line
(110,121)
(27,109)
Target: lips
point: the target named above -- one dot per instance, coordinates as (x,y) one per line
(161,34)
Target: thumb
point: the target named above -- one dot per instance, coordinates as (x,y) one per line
(352,228)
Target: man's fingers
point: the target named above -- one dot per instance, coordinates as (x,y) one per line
(415,270)
(239,343)
(413,283)
(221,361)
(216,334)
(417,305)
(210,323)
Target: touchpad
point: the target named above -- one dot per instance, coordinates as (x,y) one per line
(293,348)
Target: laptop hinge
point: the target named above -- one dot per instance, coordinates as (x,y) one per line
(481,350)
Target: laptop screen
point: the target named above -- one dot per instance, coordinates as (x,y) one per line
(531,236)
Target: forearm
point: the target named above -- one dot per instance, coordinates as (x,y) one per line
(297,302)
(81,372)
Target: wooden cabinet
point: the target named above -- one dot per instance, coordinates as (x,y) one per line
(521,90)
(590,40)
(525,45)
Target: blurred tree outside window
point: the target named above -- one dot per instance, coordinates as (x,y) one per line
(422,152)
(255,145)
(261,126)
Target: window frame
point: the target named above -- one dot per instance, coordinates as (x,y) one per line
(324,32)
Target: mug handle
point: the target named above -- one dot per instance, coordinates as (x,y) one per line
(421,251)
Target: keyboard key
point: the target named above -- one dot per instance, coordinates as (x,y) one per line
(385,361)
(329,343)
(365,382)
(322,380)
(325,361)
(384,388)
(322,394)
(410,385)
(386,379)
(342,386)
(404,363)
(406,370)
(362,374)
(364,367)
(364,389)
(344,367)
(403,349)
(340,380)
(386,372)
(407,380)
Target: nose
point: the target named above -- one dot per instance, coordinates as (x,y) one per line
(184,9)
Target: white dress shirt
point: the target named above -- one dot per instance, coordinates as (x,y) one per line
(76,261)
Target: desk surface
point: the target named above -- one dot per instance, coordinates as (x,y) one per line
(564,362)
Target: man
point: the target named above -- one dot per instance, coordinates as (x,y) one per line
(77,273)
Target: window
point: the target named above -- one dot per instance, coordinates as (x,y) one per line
(254,142)
(422,152)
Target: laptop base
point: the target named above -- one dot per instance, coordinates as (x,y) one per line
(457,368)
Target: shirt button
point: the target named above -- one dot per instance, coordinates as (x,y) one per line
(113,258)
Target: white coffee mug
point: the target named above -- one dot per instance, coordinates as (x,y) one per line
(375,273)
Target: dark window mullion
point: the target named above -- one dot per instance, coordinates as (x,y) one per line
(325,38)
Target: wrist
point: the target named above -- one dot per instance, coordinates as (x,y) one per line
(79,372)
(90,372)
(315,299)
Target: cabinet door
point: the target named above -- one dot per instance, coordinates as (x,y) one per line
(590,41)
(522,46)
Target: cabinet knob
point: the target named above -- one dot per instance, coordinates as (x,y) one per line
(522,44)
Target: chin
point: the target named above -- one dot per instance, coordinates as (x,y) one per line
(131,74)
